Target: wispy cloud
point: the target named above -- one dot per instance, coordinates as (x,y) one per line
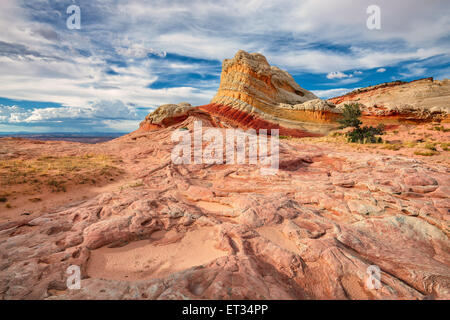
(330,93)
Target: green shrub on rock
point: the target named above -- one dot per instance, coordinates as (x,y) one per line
(365,134)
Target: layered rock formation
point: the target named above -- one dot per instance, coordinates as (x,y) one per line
(224,231)
(415,101)
(253,94)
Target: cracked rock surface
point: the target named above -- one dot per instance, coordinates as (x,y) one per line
(308,232)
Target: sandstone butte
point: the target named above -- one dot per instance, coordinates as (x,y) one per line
(197,231)
(253,94)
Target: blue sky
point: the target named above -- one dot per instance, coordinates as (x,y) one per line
(131,56)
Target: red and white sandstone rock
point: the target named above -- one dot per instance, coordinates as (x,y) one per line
(420,100)
(254,94)
(165,116)
(309,232)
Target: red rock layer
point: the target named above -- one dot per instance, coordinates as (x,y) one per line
(244,120)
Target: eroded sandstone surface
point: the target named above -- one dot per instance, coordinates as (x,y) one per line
(420,100)
(308,232)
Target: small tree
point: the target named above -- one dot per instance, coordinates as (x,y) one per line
(350,118)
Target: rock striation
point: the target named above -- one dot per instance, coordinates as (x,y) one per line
(254,94)
(415,101)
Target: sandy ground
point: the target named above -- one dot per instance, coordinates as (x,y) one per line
(274,234)
(46,201)
(155,258)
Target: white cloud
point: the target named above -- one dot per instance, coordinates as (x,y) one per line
(381,70)
(338,75)
(130,49)
(111,110)
(12,114)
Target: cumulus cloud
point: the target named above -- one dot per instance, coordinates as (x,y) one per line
(99,110)
(381,70)
(338,75)
(12,114)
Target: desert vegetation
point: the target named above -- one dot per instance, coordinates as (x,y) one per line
(365,134)
(53,173)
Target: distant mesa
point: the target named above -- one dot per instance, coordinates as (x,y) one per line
(254,94)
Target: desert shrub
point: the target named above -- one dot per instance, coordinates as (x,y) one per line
(441,128)
(365,134)
(336,134)
(410,144)
(430,146)
(56,185)
(350,116)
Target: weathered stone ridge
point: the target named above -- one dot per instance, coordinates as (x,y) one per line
(423,99)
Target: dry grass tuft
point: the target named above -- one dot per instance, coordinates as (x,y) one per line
(426,153)
(56,173)
(393,146)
